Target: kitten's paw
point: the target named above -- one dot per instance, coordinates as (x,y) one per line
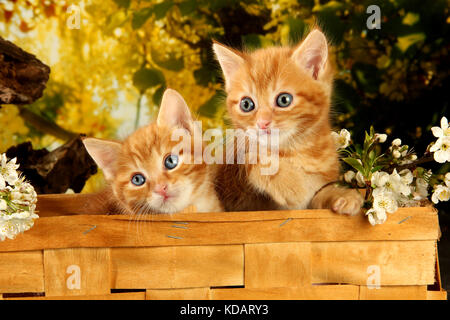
(349,203)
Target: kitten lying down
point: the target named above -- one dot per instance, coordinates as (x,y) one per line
(143,173)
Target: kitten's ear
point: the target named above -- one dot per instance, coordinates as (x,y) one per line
(229,59)
(104,153)
(174,112)
(312,54)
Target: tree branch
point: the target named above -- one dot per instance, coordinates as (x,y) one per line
(44,125)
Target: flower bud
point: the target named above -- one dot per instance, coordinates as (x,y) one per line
(381,137)
(349,176)
(397,142)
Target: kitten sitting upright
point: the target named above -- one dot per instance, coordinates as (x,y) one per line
(289,89)
(145,172)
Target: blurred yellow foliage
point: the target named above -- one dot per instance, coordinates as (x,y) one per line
(10,119)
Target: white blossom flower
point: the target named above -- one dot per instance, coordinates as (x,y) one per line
(406,176)
(396,154)
(398,184)
(447,179)
(443,131)
(379,179)
(7,230)
(8,171)
(360,179)
(349,176)
(441,149)
(421,189)
(441,193)
(397,142)
(384,201)
(380,137)
(376,216)
(17,201)
(341,139)
(3,205)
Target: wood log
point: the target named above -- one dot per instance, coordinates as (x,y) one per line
(68,166)
(22,76)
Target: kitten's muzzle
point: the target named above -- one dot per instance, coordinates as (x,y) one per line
(263,124)
(162,191)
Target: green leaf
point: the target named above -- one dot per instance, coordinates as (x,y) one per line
(297,29)
(123,3)
(115,20)
(210,107)
(366,77)
(330,22)
(404,42)
(140,17)
(377,168)
(345,97)
(204,76)
(411,18)
(172,63)
(157,96)
(218,4)
(187,7)
(251,41)
(147,78)
(331,5)
(354,163)
(161,9)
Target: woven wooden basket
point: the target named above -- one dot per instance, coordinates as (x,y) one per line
(303,254)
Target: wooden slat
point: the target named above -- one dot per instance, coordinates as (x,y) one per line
(112,296)
(118,231)
(270,265)
(49,205)
(393,293)
(437,295)
(91,265)
(243,216)
(325,292)
(179,294)
(400,262)
(21,272)
(177,267)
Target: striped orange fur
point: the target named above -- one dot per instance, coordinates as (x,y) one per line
(144,152)
(308,158)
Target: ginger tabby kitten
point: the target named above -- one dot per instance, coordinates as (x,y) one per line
(289,88)
(144,173)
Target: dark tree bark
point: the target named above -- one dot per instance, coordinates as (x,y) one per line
(68,166)
(22,76)
(22,81)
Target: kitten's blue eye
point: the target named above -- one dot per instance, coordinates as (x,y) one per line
(247,104)
(171,161)
(284,100)
(138,179)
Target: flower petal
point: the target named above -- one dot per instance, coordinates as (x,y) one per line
(437,132)
(440,156)
(444,124)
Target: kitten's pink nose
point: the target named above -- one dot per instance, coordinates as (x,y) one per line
(161,189)
(263,124)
